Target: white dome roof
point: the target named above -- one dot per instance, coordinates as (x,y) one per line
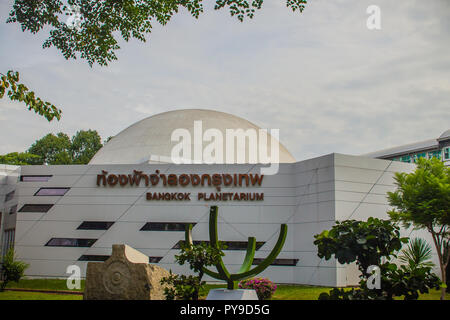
(149,140)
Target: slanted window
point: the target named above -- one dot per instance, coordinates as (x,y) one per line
(101,258)
(13,209)
(278,262)
(165,226)
(230,245)
(9,195)
(36,207)
(93,257)
(35,178)
(51,191)
(95,225)
(70,242)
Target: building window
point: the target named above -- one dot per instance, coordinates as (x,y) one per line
(70,242)
(419,155)
(154,259)
(95,225)
(51,191)
(102,258)
(13,209)
(278,262)
(435,154)
(406,158)
(8,240)
(93,257)
(36,207)
(165,226)
(447,153)
(35,178)
(230,245)
(9,195)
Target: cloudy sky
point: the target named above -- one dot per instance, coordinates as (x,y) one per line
(322,77)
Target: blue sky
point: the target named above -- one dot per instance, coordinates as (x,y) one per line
(326,81)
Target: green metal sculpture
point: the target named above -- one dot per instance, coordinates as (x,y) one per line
(244,272)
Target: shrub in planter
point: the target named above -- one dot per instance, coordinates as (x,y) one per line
(264,287)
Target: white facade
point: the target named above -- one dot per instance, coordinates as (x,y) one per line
(309,196)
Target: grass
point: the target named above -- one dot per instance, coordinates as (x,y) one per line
(44,284)
(284,292)
(15,295)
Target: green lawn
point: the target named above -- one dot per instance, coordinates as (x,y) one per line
(284,292)
(14,295)
(47,284)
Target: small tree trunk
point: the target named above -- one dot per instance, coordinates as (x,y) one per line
(441,262)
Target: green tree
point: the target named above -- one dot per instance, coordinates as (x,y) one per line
(98,23)
(53,149)
(20,159)
(373,243)
(198,256)
(85,145)
(12,269)
(9,84)
(366,242)
(422,200)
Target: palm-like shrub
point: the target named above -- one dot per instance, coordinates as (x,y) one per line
(12,269)
(417,254)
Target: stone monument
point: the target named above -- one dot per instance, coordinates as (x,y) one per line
(126,275)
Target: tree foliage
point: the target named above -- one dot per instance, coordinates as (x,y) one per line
(100,22)
(53,149)
(16,91)
(198,256)
(365,242)
(417,254)
(84,146)
(58,149)
(12,269)
(422,200)
(20,158)
(373,243)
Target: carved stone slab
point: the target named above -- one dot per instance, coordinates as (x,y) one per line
(126,275)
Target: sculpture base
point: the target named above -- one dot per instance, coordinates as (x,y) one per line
(226,294)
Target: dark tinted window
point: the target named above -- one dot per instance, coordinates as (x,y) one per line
(95,225)
(51,191)
(35,207)
(154,259)
(93,257)
(13,209)
(230,245)
(278,262)
(9,195)
(165,226)
(70,242)
(35,178)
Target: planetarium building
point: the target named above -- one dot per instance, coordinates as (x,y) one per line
(164,172)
